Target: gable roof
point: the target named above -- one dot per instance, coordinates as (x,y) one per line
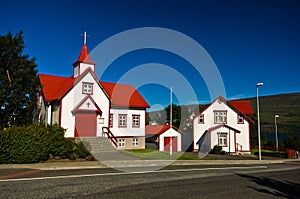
(242,107)
(124,95)
(54,87)
(159,129)
(84,56)
(79,105)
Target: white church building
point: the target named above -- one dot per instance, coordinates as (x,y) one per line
(87,107)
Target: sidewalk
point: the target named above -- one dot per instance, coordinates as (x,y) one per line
(61,165)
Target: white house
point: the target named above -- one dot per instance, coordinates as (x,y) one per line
(86,106)
(164,137)
(223,123)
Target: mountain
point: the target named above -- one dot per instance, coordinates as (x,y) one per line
(287,106)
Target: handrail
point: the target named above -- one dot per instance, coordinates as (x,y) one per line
(239,146)
(110,135)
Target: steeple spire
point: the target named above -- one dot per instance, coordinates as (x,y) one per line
(83,61)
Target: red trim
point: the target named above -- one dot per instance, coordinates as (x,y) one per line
(76,109)
(235,140)
(59,117)
(139,121)
(125,126)
(249,132)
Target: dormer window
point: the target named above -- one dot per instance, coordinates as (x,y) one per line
(87,88)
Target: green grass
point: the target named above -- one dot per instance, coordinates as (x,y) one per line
(271,153)
(149,154)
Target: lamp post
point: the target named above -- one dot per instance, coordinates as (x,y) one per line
(276,116)
(258,120)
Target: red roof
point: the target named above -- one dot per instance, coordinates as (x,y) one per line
(159,129)
(124,95)
(84,56)
(55,87)
(156,129)
(242,106)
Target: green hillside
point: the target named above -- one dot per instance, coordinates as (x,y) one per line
(287,106)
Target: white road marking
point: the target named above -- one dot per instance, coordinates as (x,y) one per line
(137,172)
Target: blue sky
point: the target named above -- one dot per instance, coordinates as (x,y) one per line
(249,41)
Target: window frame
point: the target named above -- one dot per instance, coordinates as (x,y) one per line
(201,122)
(111,120)
(121,142)
(119,121)
(133,120)
(221,135)
(224,116)
(240,116)
(135,142)
(91,88)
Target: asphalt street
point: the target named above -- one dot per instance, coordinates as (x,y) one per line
(179,181)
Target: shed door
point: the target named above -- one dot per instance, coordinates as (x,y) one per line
(167,144)
(85,124)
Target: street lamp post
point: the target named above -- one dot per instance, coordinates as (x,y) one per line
(276,116)
(258,120)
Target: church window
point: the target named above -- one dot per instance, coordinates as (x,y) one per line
(87,88)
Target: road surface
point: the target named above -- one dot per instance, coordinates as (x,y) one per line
(236,181)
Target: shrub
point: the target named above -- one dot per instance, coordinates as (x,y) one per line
(23,145)
(35,143)
(217,150)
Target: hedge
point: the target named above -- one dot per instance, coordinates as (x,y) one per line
(36,143)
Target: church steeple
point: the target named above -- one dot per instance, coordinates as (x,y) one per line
(83,61)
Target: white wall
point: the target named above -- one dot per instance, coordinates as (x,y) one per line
(170,133)
(128,130)
(74,97)
(242,138)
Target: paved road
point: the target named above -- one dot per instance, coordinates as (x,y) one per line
(230,181)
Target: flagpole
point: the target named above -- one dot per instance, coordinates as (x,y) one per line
(171,118)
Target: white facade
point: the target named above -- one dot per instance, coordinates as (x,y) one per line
(129,129)
(170,133)
(233,134)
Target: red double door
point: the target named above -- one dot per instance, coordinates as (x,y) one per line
(86,124)
(167,144)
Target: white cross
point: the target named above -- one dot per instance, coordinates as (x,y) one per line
(84,37)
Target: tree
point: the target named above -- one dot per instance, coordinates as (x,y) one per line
(19,82)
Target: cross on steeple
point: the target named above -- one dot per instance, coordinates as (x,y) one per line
(84,37)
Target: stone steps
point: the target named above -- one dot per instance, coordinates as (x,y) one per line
(104,150)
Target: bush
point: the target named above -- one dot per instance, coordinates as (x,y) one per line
(217,150)
(36,143)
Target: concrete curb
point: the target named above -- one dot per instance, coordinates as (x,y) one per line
(135,163)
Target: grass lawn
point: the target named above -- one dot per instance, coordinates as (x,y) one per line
(272,153)
(149,154)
